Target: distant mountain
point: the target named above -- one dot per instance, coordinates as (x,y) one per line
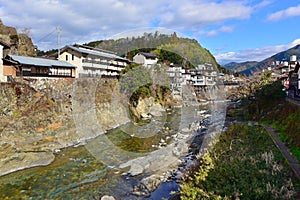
(238,67)
(284,55)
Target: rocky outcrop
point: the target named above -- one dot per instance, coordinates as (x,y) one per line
(39,117)
(147,108)
(20,44)
(11,157)
(7,30)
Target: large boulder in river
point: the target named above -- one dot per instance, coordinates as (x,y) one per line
(147,107)
(106,197)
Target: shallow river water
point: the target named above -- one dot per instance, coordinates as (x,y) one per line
(77,173)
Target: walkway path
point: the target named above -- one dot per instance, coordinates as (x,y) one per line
(295,101)
(293,162)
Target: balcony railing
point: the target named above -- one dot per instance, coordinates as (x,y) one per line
(27,73)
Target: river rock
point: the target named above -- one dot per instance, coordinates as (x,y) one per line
(20,161)
(148,185)
(106,197)
(156,110)
(145,116)
(146,107)
(136,169)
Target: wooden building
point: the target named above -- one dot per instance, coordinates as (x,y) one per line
(37,67)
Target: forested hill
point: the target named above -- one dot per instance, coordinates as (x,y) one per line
(237,67)
(186,48)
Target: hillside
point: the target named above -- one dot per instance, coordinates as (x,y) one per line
(186,48)
(284,55)
(237,67)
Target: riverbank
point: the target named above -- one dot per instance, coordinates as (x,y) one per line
(244,164)
(38,118)
(201,136)
(66,178)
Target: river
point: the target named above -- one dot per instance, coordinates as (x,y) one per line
(91,171)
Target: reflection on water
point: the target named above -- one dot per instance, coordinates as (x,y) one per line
(78,174)
(73,170)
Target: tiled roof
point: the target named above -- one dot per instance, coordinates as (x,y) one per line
(148,55)
(96,52)
(25,60)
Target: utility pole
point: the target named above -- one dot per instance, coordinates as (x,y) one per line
(58,41)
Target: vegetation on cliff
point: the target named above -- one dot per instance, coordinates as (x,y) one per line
(270,107)
(245,163)
(138,83)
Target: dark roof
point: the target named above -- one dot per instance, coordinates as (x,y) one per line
(148,55)
(94,48)
(5,45)
(25,60)
(95,52)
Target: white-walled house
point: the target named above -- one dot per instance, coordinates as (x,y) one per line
(202,77)
(146,59)
(93,62)
(175,73)
(3,46)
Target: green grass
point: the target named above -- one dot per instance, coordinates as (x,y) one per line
(287,137)
(244,164)
(296,152)
(271,108)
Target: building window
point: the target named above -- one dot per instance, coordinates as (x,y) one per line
(66,57)
(72,56)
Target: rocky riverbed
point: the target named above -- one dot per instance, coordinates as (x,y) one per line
(38,121)
(180,157)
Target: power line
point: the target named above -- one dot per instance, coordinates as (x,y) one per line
(46,35)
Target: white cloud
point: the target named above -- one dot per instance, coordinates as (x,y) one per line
(215,32)
(212,33)
(226,29)
(283,14)
(257,54)
(198,13)
(262,4)
(294,43)
(83,21)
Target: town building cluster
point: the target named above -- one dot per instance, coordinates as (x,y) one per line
(202,77)
(289,73)
(75,61)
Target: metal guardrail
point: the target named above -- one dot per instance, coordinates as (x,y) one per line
(295,101)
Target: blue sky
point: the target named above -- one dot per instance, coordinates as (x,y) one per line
(233,30)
